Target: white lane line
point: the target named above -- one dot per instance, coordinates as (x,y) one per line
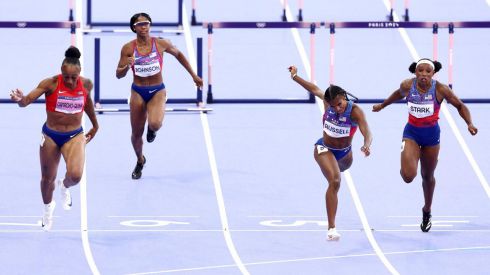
(466,149)
(38,223)
(240,230)
(325,258)
(365,223)
(153,216)
(418,217)
(445,111)
(321,217)
(347,175)
(83,183)
(211,155)
(23,216)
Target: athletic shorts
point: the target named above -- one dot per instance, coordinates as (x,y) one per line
(338,153)
(61,138)
(147,92)
(423,136)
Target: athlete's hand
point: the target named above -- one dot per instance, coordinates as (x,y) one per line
(293,70)
(16,95)
(90,135)
(472,129)
(198,81)
(366,150)
(377,107)
(131,61)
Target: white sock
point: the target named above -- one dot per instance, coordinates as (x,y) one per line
(48,206)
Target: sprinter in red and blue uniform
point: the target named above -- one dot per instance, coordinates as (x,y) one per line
(421,135)
(67,97)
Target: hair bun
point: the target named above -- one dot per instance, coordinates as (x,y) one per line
(73,52)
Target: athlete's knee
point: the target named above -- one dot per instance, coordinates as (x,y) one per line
(47,182)
(136,135)
(407,176)
(428,177)
(334,184)
(155,125)
(74,177)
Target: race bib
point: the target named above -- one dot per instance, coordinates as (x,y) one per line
(69,105)
(147,69)
(420,110)
(336,131)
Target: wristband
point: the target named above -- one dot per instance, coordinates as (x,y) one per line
(292,77)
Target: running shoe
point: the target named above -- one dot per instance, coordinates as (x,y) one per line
(137,170)
(47,221)
(150,135)
(65,195)
(333,235)
(426,221)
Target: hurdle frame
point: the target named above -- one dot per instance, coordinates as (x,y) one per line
(98,101)
(72,25)
(401,24)
(257,25)
(90,22)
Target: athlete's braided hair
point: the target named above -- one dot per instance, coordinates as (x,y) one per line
(333,91)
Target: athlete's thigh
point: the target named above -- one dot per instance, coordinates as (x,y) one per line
(156,107)
(345,162)
(410,154)
(49,156)
(137,113)
(328,164)
(428,159)
(74,154)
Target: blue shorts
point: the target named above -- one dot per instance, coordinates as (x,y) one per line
(61,138)
(147,92)
(423,136)
(338,153)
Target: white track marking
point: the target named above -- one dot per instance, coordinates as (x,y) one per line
(211,155)
(83,183)
(323,259)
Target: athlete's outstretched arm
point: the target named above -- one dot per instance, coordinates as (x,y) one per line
(171,49)
(463,111)
(398,94)
(310,87)
(18,96)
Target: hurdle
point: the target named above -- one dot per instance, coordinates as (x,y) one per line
(91,22)
(71,25)
(258,25)
(394,25)
(300,10)
(98,101)
(392,10)
(194,21)
(163,32)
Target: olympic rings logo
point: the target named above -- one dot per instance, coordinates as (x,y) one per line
(260,24)
(21,24)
